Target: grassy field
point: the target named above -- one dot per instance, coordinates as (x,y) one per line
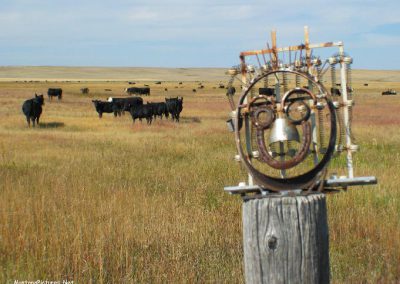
(106,201)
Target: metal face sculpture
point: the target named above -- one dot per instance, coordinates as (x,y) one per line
(288,125)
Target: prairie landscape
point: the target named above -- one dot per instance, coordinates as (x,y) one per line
(108,201)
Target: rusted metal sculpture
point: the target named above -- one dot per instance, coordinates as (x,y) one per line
(288,124)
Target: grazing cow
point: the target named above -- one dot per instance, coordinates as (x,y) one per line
(194,91)
(180,83)
(138,91)
(365,84)
(126,103)
(85,90)
(174,107)
(166,89)
(266,91)
(142,111)
(158,83)
(131,83)
(54,92)
(159,109)
(221,86)
(33,109)
(107,107)
(389,92)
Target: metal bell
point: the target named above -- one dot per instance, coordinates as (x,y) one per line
(283,130)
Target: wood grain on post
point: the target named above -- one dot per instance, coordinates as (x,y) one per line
(286,240)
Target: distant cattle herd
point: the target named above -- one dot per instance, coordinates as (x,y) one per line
(170,108)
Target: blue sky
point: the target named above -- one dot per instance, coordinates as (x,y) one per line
(182,33)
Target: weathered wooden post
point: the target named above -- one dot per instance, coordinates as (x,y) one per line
(285,239)
(285,139)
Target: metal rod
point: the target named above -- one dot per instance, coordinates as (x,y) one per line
(259,63)
(265,61)
(248,136)
(270,57)
(346,113)
(308,50)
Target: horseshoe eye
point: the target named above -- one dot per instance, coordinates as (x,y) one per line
(298,111)
(263,117)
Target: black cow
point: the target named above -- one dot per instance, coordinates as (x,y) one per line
(142,111)
(266,91)
(138,91)
(107,107)
(126,103)
(335,92)
(33,109)
(174,107)
(54,92)
(159,109)
(231,91)
(85,90)
(389,92)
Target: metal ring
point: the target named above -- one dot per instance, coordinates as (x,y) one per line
(259,124)
(303,118)
(303,181)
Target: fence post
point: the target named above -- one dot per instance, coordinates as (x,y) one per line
(286,239)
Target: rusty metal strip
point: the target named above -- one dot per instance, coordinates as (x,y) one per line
(307,44)
(292,48)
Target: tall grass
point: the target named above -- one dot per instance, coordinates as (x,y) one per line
(107,201)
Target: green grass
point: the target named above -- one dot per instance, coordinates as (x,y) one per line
(105,201)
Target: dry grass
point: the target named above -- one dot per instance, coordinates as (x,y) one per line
(106,201)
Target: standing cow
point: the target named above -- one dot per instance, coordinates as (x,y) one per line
(145,91)
(126,103)
(159,109)
(107,107)
(142,111)
(54,92)
(32,109)
(85,90)
(174,107)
